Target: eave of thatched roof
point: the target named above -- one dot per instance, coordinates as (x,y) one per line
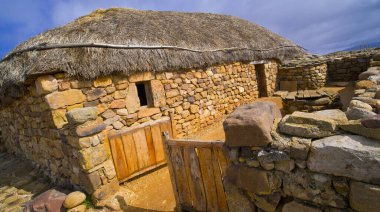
(127,40)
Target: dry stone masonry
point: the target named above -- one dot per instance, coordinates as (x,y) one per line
(61,123)
(310,161)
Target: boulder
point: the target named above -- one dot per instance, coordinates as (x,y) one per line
(250,125)
(81,115)
(307,125)
(50,200)
(294,206)
(370,72)
(74,199)
(371,122)
(364,197)
(334,114)
(360,104)
(351,156)
(355,127)
(356,113)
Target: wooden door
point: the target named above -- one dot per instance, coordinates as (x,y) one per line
(139,149)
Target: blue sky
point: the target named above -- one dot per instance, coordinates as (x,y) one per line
(320,26)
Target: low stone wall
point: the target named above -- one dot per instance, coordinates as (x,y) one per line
(61,123)
(302,162)
(347,68)
(271,75)
(306,77)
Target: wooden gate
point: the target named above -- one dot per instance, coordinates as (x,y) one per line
(139,149)
(197,169)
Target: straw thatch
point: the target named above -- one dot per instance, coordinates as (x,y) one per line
(127,40)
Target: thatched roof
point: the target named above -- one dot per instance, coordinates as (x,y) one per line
(128,40)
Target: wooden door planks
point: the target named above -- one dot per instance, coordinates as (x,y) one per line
(141,148)
(195,181)
(150,145)
(157,143)
(118,157)
(130,153)
(180,177)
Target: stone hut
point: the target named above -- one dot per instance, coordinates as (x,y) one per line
(64,90)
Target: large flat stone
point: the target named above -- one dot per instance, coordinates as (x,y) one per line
(356,113)
(90,128)
(350,156)
(355,127)
(61,99)
(334,114)
(364,197)
(250,125)
(307,125)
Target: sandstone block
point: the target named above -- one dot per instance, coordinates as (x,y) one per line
(122,112)
(76,84)
(132,99)
(59,118)
(307,125)
(117,104)
(95,94)
(102,82)
(64,98)
(250,125)
(356,113)
(299,148)
(120,94)
(46,84)
(79,208)
(266,202)
(147,112)
(294,206)
(74,199)
(364,197)
(158,93)
(93,156)
(355,127)
(284,165)
(108,114)
(371,122)
(79,143)
(142,76)
(350,156)
(90,128)
(81,115)
(172,93)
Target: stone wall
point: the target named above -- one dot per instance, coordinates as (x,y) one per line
(271,75)
(306,77)
(347,68)
(301,162)
(61,123)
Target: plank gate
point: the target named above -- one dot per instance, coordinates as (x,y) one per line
(139,149)
(197,169)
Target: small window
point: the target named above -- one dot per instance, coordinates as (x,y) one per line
(145,93)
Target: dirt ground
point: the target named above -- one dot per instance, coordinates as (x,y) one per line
(150,192)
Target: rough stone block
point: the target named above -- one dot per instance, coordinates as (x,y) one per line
(371,122)
(266,202)
(117,104)
(299,148)
(364,197)
(147,112)
(158,93)
(355,127)
(95,94)
(81,115)
(356,113)
(90,128)
(250,125)
(288,86)
(59,118)
(64,98)
(350,156)
(307,125)
(334,114)
(132,99)
(100,195)
(265,181)
(93,156)
(142,76)
(102,82)
(46,84)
